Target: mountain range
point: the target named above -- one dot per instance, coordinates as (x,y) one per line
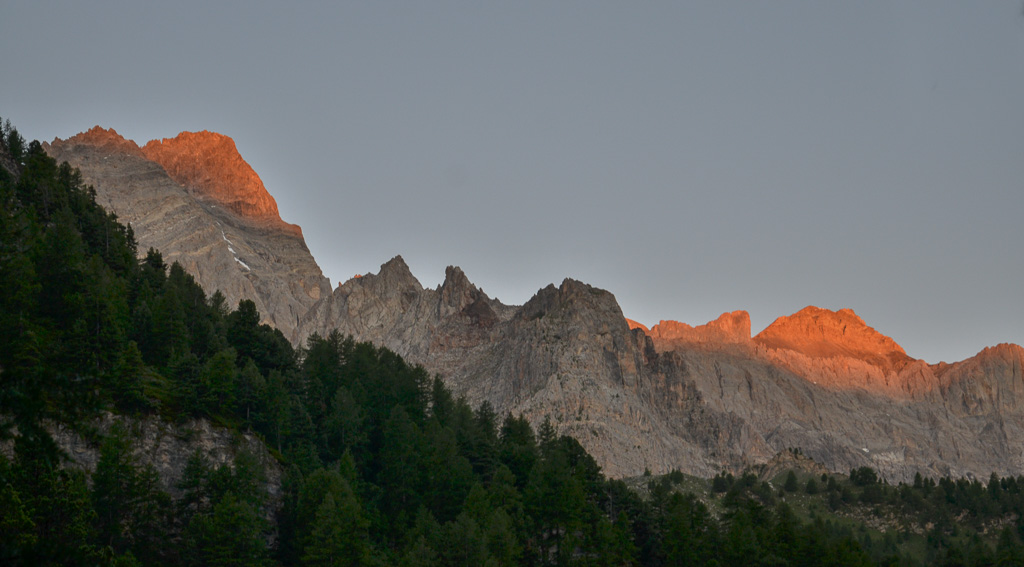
(700,399)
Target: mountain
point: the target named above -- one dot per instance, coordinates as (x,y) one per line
(730,328)
(209,164)
(196,200)
(697,398)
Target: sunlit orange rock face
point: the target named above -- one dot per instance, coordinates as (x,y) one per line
(832,349)
(209,164)
(106,139)
(836,349)
(635,325)
(822,333)
(729,328)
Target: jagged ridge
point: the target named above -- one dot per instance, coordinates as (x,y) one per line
(673,396)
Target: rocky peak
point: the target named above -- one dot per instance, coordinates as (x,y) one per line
(1005,351)
(823,333)
(1004,358)
(455,281)
(637,325)
(105,139)
(990,382)
(729,328)
(209,164)
(458,295)
(394,280)
(571,299)
(396,273)
(456,291)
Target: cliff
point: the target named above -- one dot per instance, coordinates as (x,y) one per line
(729,328)
(821,333)
(698,398)
(228,238)
(208,165)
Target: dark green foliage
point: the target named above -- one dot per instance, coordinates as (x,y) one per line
(12,142)
(338,534)
(230,535)
(791,484)
(61,523)
(330,527)
(722,482)
(692,533)
(399,464)
(132,511)
(263,344)
(518,447)
(221,511)
(863,476)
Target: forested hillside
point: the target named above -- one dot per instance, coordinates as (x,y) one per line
(383,465)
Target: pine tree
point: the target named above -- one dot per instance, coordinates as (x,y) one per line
(338,535)
(791,484)
(125,381)
(218,382)
(231,536)
(132,511)
(344,427)
(17,531)
(400,464)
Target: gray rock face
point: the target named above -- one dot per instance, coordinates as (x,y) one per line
(700,399)
(567,354)
(259,257)
(167,447)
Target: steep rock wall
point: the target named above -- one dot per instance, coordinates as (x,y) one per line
(245,257)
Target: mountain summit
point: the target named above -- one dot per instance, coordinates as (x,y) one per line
(822,333)
(209,164)
(105,139)
(733,328)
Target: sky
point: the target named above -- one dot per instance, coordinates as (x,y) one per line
(693,158)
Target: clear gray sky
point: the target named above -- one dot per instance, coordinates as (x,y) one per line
(691,157)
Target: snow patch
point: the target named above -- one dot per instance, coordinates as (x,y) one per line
(232,250)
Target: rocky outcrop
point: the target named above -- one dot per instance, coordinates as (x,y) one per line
(106,141)
(729,328)
(848,396)
(836,349)
(696,398)
(392,309)
(822,333)
(701,398)
(208,165)
(990,382)
(167,447)
(567,354)
(246,252)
